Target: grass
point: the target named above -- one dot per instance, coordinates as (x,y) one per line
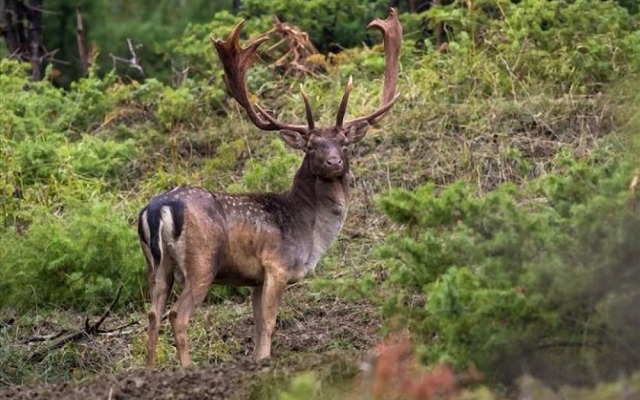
(484,141)
(310,324)
(328,374)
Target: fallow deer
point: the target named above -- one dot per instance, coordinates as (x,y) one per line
(262,240)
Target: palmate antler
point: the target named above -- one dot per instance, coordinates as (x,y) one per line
(236,60)
(392,36)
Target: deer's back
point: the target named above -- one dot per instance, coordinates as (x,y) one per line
(236,234)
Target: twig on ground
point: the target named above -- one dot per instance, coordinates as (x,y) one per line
(95,328)
(43,338)
(88,330)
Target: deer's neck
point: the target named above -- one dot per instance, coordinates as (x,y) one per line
(325,202)
(315,193)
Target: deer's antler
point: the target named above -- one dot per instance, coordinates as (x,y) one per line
(392,36)
(236,60)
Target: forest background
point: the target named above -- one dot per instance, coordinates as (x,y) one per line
(493,219)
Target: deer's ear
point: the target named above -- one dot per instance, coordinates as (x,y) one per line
(356,132)
(293,139)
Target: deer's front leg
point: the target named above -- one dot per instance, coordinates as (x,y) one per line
(271,291)
(258,323)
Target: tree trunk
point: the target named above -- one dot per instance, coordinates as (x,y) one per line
(7,28)
(34,13)
(81,37)
(15,15)
(412,6)
(439,28)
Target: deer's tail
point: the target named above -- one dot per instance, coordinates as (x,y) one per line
(158,219)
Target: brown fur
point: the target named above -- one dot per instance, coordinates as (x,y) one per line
(261,240)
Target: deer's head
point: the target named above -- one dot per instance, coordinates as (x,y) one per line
(325,147)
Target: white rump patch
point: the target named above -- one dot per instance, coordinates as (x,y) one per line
(176,246)
(145,227)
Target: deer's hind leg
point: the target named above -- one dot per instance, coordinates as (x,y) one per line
(199,273)
(160,282)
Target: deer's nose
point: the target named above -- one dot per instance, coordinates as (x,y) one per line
(334,161)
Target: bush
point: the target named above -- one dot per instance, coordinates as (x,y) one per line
(538,278)
(271,171)
(75,256)
(566,46)
(330,24)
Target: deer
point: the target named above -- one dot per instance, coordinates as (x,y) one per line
(265,241)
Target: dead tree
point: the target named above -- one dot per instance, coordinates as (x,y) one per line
(81,35)
(300,47)
(21,27)
(133,62)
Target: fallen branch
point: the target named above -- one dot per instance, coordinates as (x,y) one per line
(94,329)
(44,338)
(87,331)
(121,332)
(50,56)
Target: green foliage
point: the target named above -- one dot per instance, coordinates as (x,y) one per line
(272,173)
(108,25)
(61,245)
(302,386)
(501,47)
(329,23)
(94,158)
(194,48)
(505,277)
(74,257)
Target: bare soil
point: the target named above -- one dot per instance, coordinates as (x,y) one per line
(211,382)
(318,330)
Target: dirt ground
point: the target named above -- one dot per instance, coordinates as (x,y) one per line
(219,382)
(355,325)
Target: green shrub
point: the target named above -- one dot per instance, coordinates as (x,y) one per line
(271,172)
(516,277)
(567,46)
(95,158)
(75,256)
(329,23)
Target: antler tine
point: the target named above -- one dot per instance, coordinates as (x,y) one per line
(307,109)
(236,61)
(342,109)
(392,36)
